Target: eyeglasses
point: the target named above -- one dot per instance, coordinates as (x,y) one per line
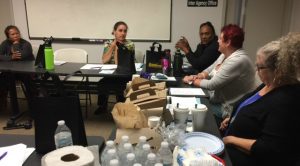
(258,68)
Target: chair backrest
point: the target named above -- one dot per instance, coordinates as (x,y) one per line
(76,55)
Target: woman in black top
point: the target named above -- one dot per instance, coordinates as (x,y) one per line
(14,48)
(263,128)
(207,50)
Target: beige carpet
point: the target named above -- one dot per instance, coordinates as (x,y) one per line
(95,125)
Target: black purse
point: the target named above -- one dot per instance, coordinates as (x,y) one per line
(153,58)
(126,60)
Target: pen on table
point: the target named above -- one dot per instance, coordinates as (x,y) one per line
(3,155)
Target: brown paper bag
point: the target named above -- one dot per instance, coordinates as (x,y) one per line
(127,115)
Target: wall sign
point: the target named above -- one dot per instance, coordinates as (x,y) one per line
(202,3)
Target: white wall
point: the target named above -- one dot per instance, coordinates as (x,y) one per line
(185,21)
(295,23)
(5,16)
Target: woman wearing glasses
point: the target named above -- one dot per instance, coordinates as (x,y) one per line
(264,127)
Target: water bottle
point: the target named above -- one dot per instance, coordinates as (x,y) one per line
(139,147)
(63,135)
(114,162)
(124,139)
(164,154)
(177,64)
(130,159)
(49,56)
(151,160)
(127,149)
(109,145)
(165,62)
(144,153)
(111,155)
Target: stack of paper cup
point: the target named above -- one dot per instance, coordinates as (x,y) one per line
(198,117)
(180,115)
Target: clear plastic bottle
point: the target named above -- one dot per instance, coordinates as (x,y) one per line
(111,154)
(164,154)
(114,162)
(144,153)
(151,159)
(63,135)
(124,139)
(109,145)
(139,147)
(127,149)
(130,159)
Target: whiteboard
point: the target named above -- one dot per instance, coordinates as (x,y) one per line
(94,19)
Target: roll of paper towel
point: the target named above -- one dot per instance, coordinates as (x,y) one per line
(69,156)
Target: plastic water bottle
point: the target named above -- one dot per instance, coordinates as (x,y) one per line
(139,147)
(109,145)
(151,160)
(111,154)
(164,154)
(127,149)
(144,153)
(130,159)
(124,139)
(63,135)
(114,162)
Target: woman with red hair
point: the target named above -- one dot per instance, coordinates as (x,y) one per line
(230,76)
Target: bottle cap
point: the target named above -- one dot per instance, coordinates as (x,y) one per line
(164,144)
(61,122)
(151,156)
(130,156)
(111,151)
(146,146)
(158,164)
(127,146)
(109,143)
(114,162)
(142,139)
(137,164)
(125,138)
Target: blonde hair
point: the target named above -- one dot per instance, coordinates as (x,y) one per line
(288,60)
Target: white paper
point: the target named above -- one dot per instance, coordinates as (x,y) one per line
(187,91)
(109,67)
(168,79)
(16,154)
(92,66)
(106,71)
(58,63)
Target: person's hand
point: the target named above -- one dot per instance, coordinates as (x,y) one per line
(188,79)
(224,124)
(15,55)
(201,76)
(114,44)
(197,82)
(183,44)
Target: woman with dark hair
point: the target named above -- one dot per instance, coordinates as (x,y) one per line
(263,127)
(230,76)
(110,56)
(207,50)
(14,48)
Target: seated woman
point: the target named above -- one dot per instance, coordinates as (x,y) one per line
(14,48)
(110,56)
(263,128)
(230,76)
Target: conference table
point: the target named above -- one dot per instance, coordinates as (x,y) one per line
(68,68)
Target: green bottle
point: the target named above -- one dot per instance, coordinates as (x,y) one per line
(49,58)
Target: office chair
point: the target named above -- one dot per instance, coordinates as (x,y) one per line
(75,55)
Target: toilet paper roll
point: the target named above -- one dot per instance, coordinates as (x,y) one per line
(69,156)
